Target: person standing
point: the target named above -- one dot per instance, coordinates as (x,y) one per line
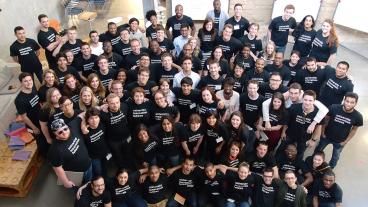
(219,16)
(176,21)
(343,123)
(25,51)
(279,28)
(327,192)
(48,38)
(239,23)
(290,193)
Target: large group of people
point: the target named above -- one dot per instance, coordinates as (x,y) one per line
(209,120)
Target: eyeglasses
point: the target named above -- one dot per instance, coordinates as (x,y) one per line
(275,80)
(67,104)
(62,130)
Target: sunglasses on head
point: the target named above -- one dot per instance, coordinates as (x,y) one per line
(64,129)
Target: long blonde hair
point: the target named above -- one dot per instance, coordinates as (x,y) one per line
(197,49)
(45,72)
(332,38)
(48,104)
(94,100)
(100,89)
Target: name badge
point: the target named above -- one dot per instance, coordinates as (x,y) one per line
(220,139)
(129,139)
(231,200)
(217,87)
(108,156)
(193,105)
(236,27)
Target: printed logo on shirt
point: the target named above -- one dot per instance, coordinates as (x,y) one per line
(324,194)
(304,38)
(185,182)
(97,136)
(34,101)
(95,203)
(51,37)
(225,48)
(290,197)
(139,113)
(251,107)
(267,189)
(88,66)
(317,42)
(303,120)
(74,146)
(240,185)
(25,51)
(155,188)
(332,84)
(116,119)
(177,26)
(283,28)
(126,51)
(122,191)
(75,50)
(115,40)
(150,146)
(310,80)
(342,120)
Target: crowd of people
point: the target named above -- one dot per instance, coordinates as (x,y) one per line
(213,119)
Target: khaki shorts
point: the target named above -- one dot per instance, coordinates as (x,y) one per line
(159,204)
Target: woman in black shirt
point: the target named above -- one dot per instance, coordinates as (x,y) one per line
(94,82)
(304,35)
(72,88)
(139,110)
(154,188)
(87,99)
(192,142)
(207,36)
(239,131)
(49,80)
(145,148)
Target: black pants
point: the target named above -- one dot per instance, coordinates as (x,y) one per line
(121,155)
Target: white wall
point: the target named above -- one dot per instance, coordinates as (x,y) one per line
(353,14)
(24,13)
(302,8)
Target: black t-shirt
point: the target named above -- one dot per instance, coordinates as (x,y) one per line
(145,152)
(75,48)
(147,88)
(239,26)
(213,137)
(262,77)
(69,70)
(246,62)
(71,154)
(115,61)
(258,164)
(105,79)
(120,193)
(289,199)
(267,91)
(256,44)
(278,117)
(132,59)
(139,114)
(28,103)
(175,24)
(335,89)
(158,112)
(191,137)
(303,41)
(229,48)
(299,122)
(26,53)
(68,120)
(283,71)
(182,184)
(151,32)
(166,45)
(320,49)
(232,162)
(237,189)
(196,63)
(280,30)
(45,39)
(168,74)
(169,141)
(240,83)
(107,36)
(213,187)
(341,122)
(95,141)
(116,124)
(215,85)
(207,42)
(122,48)
(224,67)
(87,199)
(327,195)
(317,172)
(293,70)
(87,66)
(187,104)
(311,80)
(264,195)
(284,164)
(155,58)
(251,109)
(154,192)
(204,107)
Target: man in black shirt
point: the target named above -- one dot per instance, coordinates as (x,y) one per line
(251,104)
(25,51)
(300,117)
(71,43)
(87,62)
(239,23)
(258,73)
(95,194)
(337,84)
(149,86)
(265,189)
(63,69)
(48,38)
(68,152)
(111,34)
(122,47)
(105,73)
(279,67)
(229,45)
(275,85)
(28,107)
(312,78)
(279,28)
(166,44)
(343,123)
(175,22)
(253,40)
(327,192)
(114,60)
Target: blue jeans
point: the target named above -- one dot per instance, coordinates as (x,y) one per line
(237,204)
(131,201)
(336,149)
(87,175)
(280,48)
(189,202)
(99,167)
(326,204)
